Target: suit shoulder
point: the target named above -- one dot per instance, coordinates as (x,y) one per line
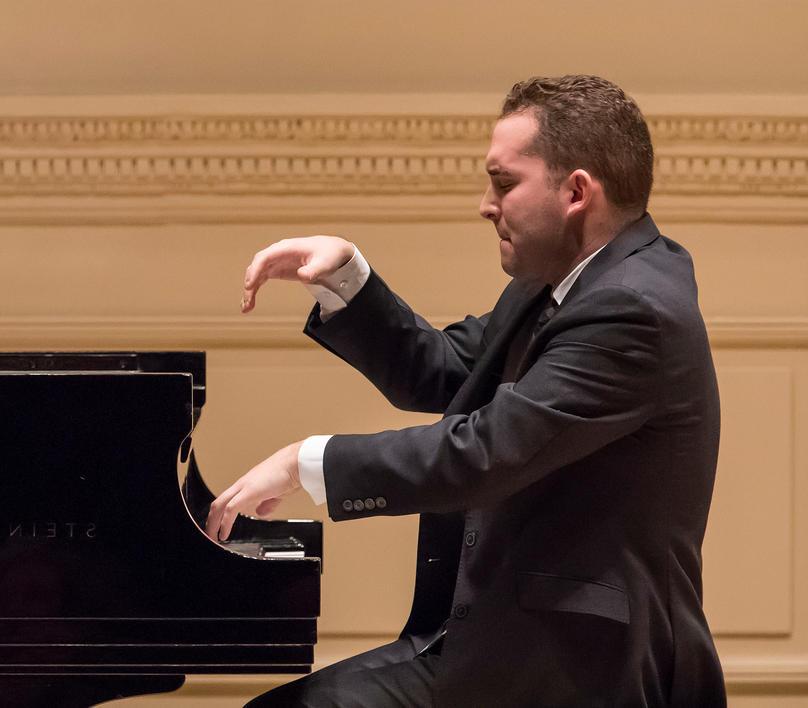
(611,300)
(662,273)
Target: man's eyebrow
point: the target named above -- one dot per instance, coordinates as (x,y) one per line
(493,171)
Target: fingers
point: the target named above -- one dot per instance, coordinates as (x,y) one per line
(229,514)
(243,497)
(275,261)
(248,300)
(217,507)
(225,510)
(258,272)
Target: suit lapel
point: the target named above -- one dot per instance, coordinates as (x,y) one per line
(488,371)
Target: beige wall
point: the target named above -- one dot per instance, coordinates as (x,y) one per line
(144,163)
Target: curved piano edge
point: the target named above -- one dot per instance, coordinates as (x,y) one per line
(259,539)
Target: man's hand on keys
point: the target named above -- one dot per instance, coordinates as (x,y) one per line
(257,493)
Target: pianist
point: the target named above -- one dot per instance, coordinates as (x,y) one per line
(565,492)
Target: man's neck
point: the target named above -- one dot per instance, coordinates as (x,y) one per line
(559,292)
(605,232)
(582,255)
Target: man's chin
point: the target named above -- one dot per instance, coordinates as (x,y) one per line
(507,266)
(507,256)
(511,268)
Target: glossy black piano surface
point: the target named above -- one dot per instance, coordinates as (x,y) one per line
(108,585)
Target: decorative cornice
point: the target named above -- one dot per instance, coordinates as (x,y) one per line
(17,131)
(73,169)
(372,174)
(17,333)
(728,129)
(775,174)
(201,129)
(225,173)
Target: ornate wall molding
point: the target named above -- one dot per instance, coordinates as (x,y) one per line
(731,129)
(97,130)
(319,129)
(86,169)
(212,332)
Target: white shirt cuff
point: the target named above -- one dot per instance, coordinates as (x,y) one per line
(335,291)
(310,467)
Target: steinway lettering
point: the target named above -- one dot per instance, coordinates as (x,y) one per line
(51,529)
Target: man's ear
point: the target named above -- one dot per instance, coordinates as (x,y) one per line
(579,192)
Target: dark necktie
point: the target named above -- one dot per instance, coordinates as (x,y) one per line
(523,339)
(544,316)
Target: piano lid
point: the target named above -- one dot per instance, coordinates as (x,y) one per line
(148,362)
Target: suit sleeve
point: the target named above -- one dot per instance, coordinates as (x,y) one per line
(595,381)
(416,366)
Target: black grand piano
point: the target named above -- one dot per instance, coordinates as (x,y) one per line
(108,585)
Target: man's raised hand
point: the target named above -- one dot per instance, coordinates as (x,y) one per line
(305,259)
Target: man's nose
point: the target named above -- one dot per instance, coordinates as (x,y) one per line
(488,207)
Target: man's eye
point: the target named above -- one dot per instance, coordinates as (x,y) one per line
(504,186)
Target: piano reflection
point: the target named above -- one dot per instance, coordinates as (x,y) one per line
(109,586)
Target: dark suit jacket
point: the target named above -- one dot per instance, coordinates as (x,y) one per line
(562,515)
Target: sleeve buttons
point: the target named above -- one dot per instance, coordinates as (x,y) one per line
(368,504)
(461,611)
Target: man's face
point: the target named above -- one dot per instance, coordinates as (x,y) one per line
(522,202)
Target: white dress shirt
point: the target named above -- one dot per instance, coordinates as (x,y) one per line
(334,293)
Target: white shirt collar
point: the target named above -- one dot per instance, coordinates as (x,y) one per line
(560,291)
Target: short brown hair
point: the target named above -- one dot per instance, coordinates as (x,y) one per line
(589,123)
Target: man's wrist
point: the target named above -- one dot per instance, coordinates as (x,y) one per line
(349,252)
(292,467)
(335,291)
(310,466)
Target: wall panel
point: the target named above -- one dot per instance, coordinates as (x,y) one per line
(749,551)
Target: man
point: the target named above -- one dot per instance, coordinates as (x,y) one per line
(564,494)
